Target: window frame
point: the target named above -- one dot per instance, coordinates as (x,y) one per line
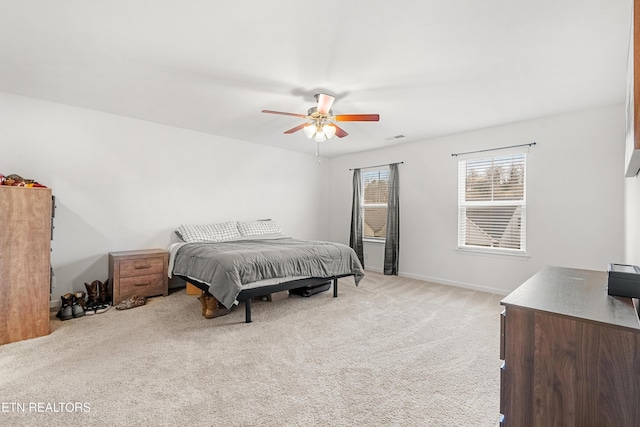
(364,205)
(463,205)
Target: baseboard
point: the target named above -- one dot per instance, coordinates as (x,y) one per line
(457,284)
(446,282)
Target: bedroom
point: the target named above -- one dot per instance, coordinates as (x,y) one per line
(125,180)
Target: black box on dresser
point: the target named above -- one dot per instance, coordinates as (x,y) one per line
(623,280)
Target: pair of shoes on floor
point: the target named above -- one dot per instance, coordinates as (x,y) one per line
(96,307)
(97,297)
(71,306)
(211,308)
(134,301)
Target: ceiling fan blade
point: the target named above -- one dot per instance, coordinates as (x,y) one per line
(358,117)
(297,128)
(340,133)
(284,114)
(324,103)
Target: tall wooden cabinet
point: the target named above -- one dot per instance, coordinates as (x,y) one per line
(571,353)
(25,269)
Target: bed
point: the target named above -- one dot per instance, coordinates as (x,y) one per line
(242,260)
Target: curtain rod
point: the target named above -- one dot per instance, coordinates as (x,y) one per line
(493,149)
(377,166)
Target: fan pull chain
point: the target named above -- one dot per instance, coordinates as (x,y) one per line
(318,151)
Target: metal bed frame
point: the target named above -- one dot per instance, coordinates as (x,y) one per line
(246,294)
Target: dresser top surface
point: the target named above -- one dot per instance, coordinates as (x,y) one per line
(571,292)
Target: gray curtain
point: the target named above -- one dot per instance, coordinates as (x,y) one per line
(355,241)
(392,242)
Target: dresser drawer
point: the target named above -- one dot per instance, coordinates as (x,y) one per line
(147,285)
(141,267)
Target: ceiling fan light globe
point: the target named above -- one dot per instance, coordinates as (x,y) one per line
(329,131)
(320,137)
(309,131)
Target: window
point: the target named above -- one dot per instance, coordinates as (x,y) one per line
(492,203)
(375,193)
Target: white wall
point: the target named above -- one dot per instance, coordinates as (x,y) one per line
(124,184)
(575,201)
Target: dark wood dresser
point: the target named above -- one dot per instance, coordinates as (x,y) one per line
(571,353)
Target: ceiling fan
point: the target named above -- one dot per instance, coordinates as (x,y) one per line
(320,126)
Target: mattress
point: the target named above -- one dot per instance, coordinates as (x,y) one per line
(231,266)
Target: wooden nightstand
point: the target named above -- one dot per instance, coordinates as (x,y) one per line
(143,273)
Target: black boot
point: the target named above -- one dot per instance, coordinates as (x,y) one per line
(80,299)
(76,309)
(66,312)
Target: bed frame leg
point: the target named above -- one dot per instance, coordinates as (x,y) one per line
(247,310)
(335,287)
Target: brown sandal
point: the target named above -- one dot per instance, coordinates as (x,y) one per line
(134,301)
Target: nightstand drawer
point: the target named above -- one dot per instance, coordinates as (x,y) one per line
(148,285)
(141,267)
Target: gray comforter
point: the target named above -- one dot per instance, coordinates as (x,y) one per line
(227,266)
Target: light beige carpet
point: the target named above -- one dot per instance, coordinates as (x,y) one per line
(391,352)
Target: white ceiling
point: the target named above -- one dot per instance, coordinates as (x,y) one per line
(428,67)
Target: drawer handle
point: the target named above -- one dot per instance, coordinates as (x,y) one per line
(141,267)
(141,284)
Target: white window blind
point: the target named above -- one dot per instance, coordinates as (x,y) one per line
(492,203)
(375,194)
